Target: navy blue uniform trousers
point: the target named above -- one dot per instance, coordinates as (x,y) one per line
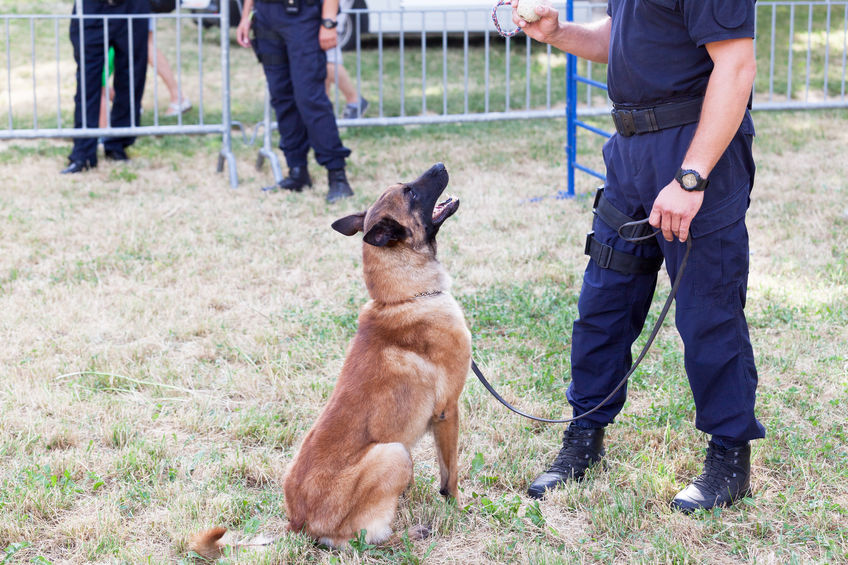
(126,69)
(295,67)
(709,316)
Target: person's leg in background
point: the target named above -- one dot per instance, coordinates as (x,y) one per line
(355,103)
(127,104)
(107,92)
(272,52)
(84,152)
(308,68)
(178,104)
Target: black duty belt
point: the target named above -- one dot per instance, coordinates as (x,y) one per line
(632,121)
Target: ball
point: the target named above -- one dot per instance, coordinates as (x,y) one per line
(527,9)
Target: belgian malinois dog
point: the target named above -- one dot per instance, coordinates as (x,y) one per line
(403,374)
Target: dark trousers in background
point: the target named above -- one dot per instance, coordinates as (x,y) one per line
(122,35)
(295,67)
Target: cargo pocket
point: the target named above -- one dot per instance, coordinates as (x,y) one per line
(720,263)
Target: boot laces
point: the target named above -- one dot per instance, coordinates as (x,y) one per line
(719,471)
(577,452)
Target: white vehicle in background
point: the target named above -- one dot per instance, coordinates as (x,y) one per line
(390,17)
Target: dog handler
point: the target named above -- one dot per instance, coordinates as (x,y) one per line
(680,74)
(290,39)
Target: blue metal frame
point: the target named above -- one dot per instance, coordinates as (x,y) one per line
(572,78)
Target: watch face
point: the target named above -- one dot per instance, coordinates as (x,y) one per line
(689,180)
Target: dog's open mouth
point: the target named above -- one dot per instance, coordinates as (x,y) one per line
(444,210)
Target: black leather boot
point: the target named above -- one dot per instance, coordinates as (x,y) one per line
(339,187)
(77,167)
(726,479)
(581,448)
(297,179)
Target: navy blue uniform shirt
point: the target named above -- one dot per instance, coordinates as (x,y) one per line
(657,51)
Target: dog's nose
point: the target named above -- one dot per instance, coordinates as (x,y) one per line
(437,169)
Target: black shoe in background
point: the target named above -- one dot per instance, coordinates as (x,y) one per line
(116,155)
(297,179)
(76,167)
(339,187)
(726,479)
(581,448)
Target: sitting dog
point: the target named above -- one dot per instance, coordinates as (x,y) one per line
(403,375)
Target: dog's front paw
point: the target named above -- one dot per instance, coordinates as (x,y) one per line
(450,494)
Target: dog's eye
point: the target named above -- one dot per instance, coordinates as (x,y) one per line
(412,194)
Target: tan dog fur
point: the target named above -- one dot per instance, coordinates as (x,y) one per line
(403,375)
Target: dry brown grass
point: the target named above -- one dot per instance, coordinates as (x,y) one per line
(165,342)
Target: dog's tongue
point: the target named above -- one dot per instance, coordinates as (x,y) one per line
(440,207)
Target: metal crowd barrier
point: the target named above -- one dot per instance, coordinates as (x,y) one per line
(506,82)
(58,122)
(422,66)
(811,41)
(451,25)
(817,30)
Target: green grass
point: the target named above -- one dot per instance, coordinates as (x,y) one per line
(169,341)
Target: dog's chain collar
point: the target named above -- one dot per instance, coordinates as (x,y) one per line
(427,293)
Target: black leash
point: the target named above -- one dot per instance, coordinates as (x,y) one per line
(642,354)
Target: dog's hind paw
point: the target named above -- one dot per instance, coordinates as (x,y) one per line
(419,532)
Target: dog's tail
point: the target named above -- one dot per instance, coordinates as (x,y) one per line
(208,543)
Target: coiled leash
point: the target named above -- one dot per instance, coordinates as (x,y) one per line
(634,239)
(503,33)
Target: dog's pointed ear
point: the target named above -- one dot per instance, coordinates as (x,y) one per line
(385,232)
(350,225)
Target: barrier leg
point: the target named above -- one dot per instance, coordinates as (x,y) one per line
(267,150)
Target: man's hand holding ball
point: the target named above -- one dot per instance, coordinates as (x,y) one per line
(541,27)
(526,9)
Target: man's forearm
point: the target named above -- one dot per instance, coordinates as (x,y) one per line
(246,8)
(588,41)
(330,9)
(725,101)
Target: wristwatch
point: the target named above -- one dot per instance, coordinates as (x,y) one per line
(690,180)
(329,23)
